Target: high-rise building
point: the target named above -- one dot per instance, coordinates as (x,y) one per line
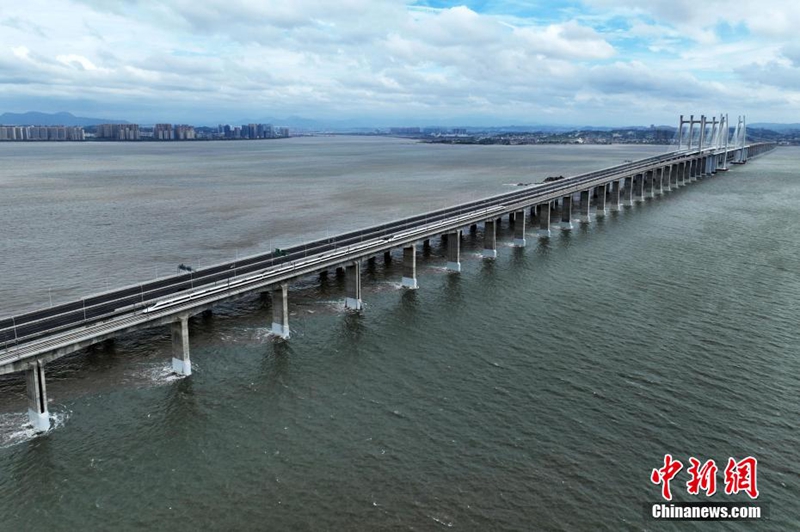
(184,132)
(163,132)
(118,131)
(41,133)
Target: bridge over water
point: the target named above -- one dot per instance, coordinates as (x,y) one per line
(29,341)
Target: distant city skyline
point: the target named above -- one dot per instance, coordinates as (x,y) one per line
(402,63)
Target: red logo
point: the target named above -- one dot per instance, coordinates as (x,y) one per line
(664,475)
(704,477)
(739,476)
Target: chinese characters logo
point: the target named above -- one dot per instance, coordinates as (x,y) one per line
(738,476)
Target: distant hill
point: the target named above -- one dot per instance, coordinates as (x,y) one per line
(34,118)
(780,128)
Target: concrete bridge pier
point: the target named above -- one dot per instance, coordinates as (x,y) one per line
(649,185)
(36,391)
(585,200)
(676,175)
(566,212)
(666,180)
(627,191)
(410,263)
(387,256)
(489,239)
(181,363)
(280,310)
(454,253)
(544,219)
(352,286)
(519,229)
(658,185)
(638,187)
(600,206)
(613,196)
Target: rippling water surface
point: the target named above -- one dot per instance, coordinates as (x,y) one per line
(536,391)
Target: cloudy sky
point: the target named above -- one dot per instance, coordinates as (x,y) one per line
(403,62)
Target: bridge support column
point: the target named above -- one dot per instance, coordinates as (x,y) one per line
(489,239)
(627,191)
(691,170)
(410,264)
(658,185)
(36,391)
(280,310)
(586,197)
(600,207)
(544,219)
(519,229)
(566,212)
(666,180)
(181,364)
(614,193)
(674,175)
(352,286)
(638,189)
(454,253)
(649,184)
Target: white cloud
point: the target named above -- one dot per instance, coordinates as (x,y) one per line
(75,60)
(184,60)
